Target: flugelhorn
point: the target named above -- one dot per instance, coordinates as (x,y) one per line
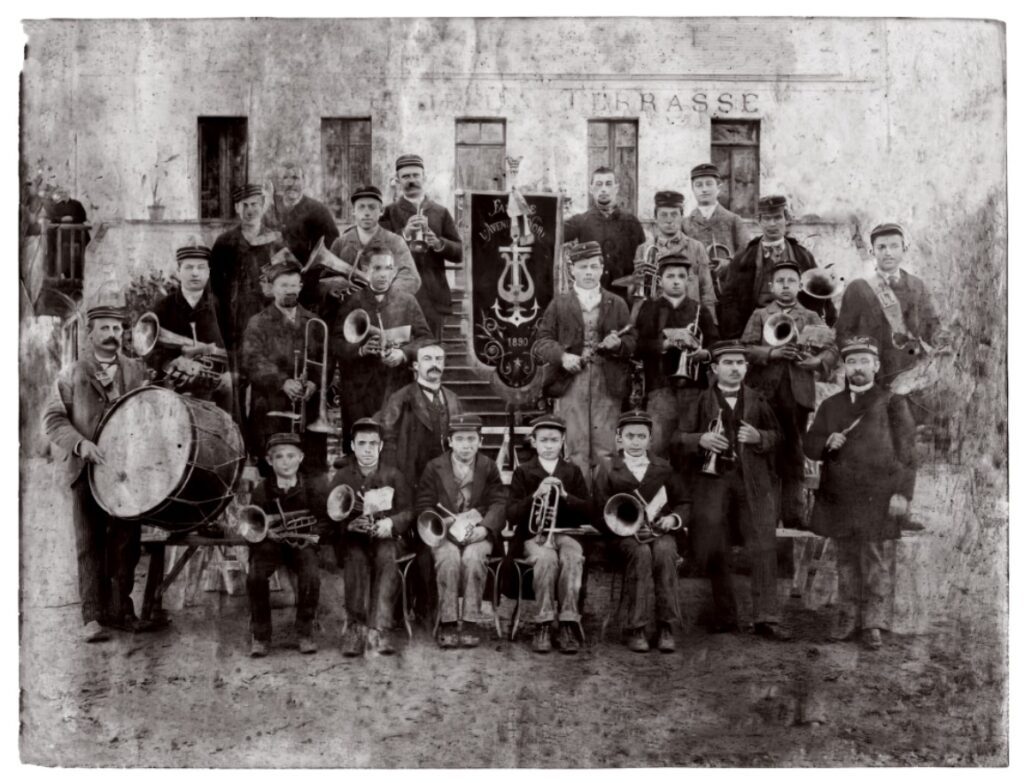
(544,512)
(626,514)
(433,527)
(288,527)
(333,266)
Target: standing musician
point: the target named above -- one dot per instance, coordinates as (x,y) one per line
(730,437)
(467,484)
(273,352)
(301,219)
(191,311)
(669,238)
(784,373)
(747,285)
(284,492)
(108,549)
(722,232)
(651,581)
(377,365)
(864,436)
(586,339)
(432,235)
(557,559)
(237,257)
(690,327)
(368,541)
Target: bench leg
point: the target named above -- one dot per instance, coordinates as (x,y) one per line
(154,576)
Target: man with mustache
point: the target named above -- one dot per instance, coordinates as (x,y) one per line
(269,346)
(617,233)
(734,423)
(301,219)
(747,284)
(414,216)
(864,436)
(107,549)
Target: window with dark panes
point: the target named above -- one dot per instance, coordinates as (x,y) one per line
(345,155)
(613,143)
(223,164)
(735,149)
(480,154)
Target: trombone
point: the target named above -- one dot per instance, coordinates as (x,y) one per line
(626,514)
(303,361)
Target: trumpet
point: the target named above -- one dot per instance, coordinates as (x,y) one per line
(330,265)
(626,514)
(287,527)
(358,328)
(303,361)
(433,527)
(417,244)
(710,467)
(544,512)
(147,334)
(689,367)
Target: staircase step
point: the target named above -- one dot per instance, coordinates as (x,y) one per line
(474,388)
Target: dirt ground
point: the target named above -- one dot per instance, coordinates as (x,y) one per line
(190,696)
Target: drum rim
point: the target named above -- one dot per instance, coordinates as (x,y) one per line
(189,462)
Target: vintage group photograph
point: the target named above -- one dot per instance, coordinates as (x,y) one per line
(524,392)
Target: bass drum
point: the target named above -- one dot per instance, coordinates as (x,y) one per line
(170,461)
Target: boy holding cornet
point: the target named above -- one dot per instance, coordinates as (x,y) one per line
(787,344)
(644,501)
(373,504)
(729,439)
(285,494)
(460,506)
(550,485)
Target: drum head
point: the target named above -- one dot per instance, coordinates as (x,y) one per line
(147,443)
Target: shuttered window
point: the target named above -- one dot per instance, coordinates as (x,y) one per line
(223,164)
(613,143)
(735,149)
(480,154)
(346,160)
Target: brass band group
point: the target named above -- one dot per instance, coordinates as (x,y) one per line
(727,334)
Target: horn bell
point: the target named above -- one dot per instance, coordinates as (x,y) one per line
(779,329)
(341,502)
(820,283)
(623,514)
(432,528)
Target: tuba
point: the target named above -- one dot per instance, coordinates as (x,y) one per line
(625,514)
(288,527)
(544,513)
(330,266)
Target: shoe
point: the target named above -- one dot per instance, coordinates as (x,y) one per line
(448,636)
(872,638)
(469,636)
(772,631)
(157,621)
(385,646)
(542,638)
(306,645)
(125,622)
(94,632)
(258,648)
(352,643)
(666,641)
(911,523)
(638,641)
(568,644)
(843,628)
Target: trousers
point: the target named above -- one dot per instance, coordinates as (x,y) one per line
(866,570)
(558,566)
(651,583)
(371,579)
(717,502)
(461,570)
(265,558)
(107,551)
(590,413)
(664,406)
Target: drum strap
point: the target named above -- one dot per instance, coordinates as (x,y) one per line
(891,308)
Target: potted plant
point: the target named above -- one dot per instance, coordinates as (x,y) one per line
(156,207)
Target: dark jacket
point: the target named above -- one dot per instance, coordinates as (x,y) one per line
(614,477)
(303,225)
(659,314)
(573,511)
(876,462)
(861,315)
(488,494)
(724,228)
(268,356)
(178,316)
(434,290)
(306,495)
(401,503)
(367,381)
(79,402)
(561,330)
(347,247)
(410,440)
(739,295)
(619,235)
(768,375)
(756,462)
(235,282)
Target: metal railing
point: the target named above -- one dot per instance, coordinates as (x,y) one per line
(64,249)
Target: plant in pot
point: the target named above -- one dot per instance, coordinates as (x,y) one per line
(156,206)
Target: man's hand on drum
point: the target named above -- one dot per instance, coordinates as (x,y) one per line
(90,452)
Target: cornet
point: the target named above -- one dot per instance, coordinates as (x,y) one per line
(781,329)
(147,334)
(288,527)
(358,328)
(544,513)
(710,467)
(689,367)
(344,503)
(298,413)
(626,514)
(417,244)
